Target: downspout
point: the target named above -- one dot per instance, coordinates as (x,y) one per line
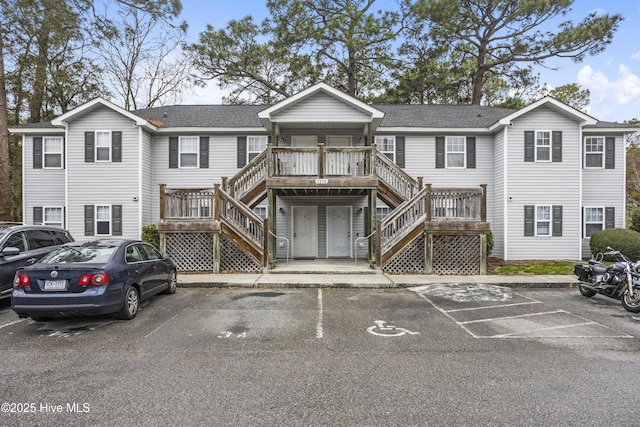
(505,197)
(66,176)
(580,172)
(140,198)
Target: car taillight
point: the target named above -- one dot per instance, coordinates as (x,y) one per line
(96,279)
(21,280)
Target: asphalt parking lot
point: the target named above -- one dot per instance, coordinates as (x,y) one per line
(438,355)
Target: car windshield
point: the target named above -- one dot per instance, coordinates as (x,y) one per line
(80,254)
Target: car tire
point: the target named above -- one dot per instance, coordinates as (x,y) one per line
(131,304)
(173,283)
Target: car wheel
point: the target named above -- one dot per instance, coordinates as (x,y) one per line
(131,304)
(173,283)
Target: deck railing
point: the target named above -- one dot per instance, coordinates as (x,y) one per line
(248,178)
(186,203)
(240,218)
(395,178)
(402,221)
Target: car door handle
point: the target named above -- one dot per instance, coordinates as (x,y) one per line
(31,260)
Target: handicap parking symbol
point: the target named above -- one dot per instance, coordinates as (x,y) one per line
(383,330)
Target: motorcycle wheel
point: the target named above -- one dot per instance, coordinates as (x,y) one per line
(631,302)
(586,291)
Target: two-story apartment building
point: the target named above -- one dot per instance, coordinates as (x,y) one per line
(323,175)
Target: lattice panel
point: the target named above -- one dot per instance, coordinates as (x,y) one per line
(456,254)
(233,258)
(191,252)
(408,260)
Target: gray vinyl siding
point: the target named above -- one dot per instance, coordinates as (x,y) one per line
(145,198)
(107,183)
(497,225)
(284,223)
(41,187)
(222,163)
(604,188)
(319,108)
(543,183)
(421,160)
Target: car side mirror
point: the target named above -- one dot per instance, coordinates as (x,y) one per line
(166,256)
(10,251)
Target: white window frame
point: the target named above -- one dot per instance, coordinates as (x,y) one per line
(261,211)
(47,153)
(256,144)
(182,150)
(539,221)
(382,145)
(587,221)
(455,139)
(46,220)
(382,212)
(592,153)
(103,220)
(101,145)
(537,144)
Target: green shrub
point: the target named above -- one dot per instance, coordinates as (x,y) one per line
(621,239)
(635,219)
(489,243)
(150,234)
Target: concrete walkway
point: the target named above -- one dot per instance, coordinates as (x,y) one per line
(350,280)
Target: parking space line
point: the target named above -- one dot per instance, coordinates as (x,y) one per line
(319,328)
(492,306)
(550,328)
(13,323)
(513,317)
(161,326)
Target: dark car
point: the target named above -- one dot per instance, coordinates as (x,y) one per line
(91,278)
(22,245)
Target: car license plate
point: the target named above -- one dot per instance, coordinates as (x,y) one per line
(55,285)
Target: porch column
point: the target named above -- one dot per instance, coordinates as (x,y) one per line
(271,214)
(373,249)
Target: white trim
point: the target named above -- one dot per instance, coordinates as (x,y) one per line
(552,103)
(381,130)
(23,172)
(584,219)
(464,152)
(602,153)
(140,196)
(536,146)
(580,196)
(66,177)
(213,130)
(197,152)
(535,220)
(95,146)
(44,215)
(44,151)
(98,102)
(505,198)
(624,182)
(95,220)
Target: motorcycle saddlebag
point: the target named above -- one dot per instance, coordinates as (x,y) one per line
(582,271)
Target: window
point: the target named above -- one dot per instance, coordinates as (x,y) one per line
(255,146)
(151,252)
(382,212)
(543,146)
(261,211)
(17,240)
(103,220)
(103,146)
(387,146)
(52,151)
(455,151)
(41,238)
(53,217)
(593,220)
(543,220)
(594,152)
(189,147)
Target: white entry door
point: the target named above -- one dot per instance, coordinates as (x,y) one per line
(305,231)
(338,231)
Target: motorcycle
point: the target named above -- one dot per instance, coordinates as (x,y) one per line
(620,280)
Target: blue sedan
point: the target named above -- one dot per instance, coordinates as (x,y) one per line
(89,278)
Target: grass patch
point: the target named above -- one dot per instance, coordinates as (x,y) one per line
(536,267)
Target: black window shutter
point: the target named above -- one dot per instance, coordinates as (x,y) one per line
(37,152)
(88,220)
(400,151)
(204,152)
(529,212)
(116,146)
(471,152)
(116,214)
(37,215)
(610,217)
(557,221)
(439,152)
(173,152)
(89,147)
(529,146)
(242,151)
(556,146)
(610,153)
